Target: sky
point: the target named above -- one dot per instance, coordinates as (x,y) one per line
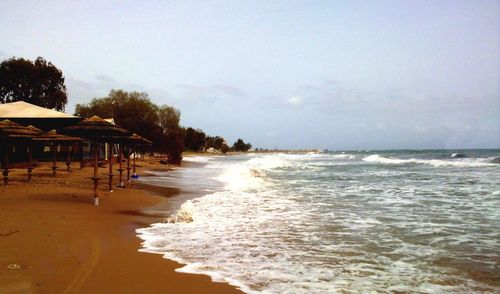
(338,75)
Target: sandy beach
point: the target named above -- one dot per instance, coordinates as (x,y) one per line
(53,240)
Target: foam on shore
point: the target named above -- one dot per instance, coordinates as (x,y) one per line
(317,223)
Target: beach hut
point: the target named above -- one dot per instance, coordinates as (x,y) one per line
(45,119)
(95,129)
(12,134)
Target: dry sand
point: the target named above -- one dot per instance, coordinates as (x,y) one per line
(53,240)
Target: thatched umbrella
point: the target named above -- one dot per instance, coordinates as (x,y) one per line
(137,141)
(11,132)
(95,129)
(130,141)
(30,152)
(55,139)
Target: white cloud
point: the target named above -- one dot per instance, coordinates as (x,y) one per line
(228,90)
(105,79)
(420,130)
(295,100)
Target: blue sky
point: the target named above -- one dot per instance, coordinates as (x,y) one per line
(286,74)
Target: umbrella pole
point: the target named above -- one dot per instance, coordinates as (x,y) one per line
(80,151)
(5,170)
(30,161)
(110,158)
(95,178)
(54,159)
(134,175)
(68,158)
(128,165)
(121,185)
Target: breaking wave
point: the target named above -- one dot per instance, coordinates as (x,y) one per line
(459,162)
(183,215)
(323,223)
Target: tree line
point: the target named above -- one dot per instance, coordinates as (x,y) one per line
(160,124)
(41,83)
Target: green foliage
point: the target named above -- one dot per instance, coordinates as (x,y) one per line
(215,142)
(37,82)
(169,118)
(218,143)
(134,111)
(194,140)
(224,148)
(172,143)
(160,124)
(240,145)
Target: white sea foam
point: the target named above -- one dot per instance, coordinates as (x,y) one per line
(197,158)
(278,226)
(465,162)
(183,215)
(344,155)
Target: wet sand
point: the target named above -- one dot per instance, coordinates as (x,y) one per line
(53,240)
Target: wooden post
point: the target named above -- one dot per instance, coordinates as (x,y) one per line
(134,175)
(68,157)
(128,165)
(110,158)
(95,178)
(54,159)
(80,150)
(121,185)
(30,161)
(5,167)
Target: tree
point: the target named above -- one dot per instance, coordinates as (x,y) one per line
(173,144)
(195,139)
(169,118)
(240,145)
(224,148)
(131,110)
(135,112)
(39,82)
(218,143)
(172,139)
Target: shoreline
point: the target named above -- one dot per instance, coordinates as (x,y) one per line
(54,240)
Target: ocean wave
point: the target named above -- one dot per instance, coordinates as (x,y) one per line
(266,162)
(183,215)
(281,227)
(197,158)
(344,155)
(471,162)
(250,174)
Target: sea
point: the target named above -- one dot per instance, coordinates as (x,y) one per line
(404,221)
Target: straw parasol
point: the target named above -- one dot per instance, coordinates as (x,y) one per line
(30,152)
(11,132)
(95,129)
(133,141)
(55,139)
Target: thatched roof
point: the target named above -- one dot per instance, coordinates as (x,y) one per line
(133,139)
(32,127)
(53,136)
(23,109)
(12,130)
(95,128)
